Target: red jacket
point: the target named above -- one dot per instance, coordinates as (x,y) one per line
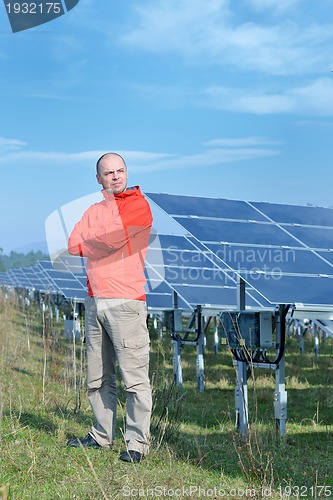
(114,235)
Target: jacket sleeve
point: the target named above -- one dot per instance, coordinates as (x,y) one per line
(78,245)
(115,232)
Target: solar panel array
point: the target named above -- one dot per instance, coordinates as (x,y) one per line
(283,252)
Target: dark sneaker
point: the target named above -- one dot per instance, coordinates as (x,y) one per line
(131,456)
(86,442)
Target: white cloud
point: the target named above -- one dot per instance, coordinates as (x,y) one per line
(50,158)
(309,98)
(10,144)
(315,98)
(280,6)
(216,152)
(210,158)
(168,25)
(208,32)
(241,142)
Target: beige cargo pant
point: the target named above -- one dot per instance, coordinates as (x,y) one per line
(116,330)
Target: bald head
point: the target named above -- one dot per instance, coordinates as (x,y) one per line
(111,172)
(110,155)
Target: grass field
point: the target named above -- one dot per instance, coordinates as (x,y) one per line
(195,451)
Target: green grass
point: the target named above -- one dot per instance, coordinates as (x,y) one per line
(195,450)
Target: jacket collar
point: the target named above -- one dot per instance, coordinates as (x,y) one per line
(130,191)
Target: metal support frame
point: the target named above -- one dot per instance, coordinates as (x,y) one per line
(241,392)
(72,327)
(216,335)
(280,398)
(241,387)
(241,398)
(280,395)
(192,334)
(177,363)
(200,364)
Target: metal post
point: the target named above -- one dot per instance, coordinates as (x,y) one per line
(316,341)
(280,398)
(216,336)
(177,367)
(240,294)
(241,398)
(300,332)
(174,300)
(241,392)
(280,395)
(200,349)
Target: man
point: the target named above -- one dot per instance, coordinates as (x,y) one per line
(113,235)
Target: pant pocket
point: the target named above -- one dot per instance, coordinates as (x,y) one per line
(136,351)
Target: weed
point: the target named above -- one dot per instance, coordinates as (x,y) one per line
(194,443)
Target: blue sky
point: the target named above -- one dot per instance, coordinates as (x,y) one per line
(230,99)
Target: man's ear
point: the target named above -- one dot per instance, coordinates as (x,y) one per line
(98,178)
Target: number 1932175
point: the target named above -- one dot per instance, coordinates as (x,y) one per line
(34,8)
(304,491)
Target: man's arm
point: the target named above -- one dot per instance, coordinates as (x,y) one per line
(78,245)
(115,232)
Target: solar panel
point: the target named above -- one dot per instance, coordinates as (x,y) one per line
(295,214)
(63,280)
(203,245)
(19,278)
(258,233)
(206,207)
(196,274)
(36,279)
(283,252)
(5,279)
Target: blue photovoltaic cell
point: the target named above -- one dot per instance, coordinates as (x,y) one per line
(159,301)
(268,259)
(294,214)
(67,283)
(82,280)
(19,278)
(237,232)
(187,258)
(64,282)
(327,255)
(5,279)
(197,276)
(159,294)
(313,237)
(171,242)
(75,293)
(216,296)
(157,285)
(35,279)
(164,301)
(45,264)
(70,263)
(293,289)
(206,207)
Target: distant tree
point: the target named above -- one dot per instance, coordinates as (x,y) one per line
(16,260)
(2,265)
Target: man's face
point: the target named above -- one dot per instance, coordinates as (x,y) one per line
(112,174)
